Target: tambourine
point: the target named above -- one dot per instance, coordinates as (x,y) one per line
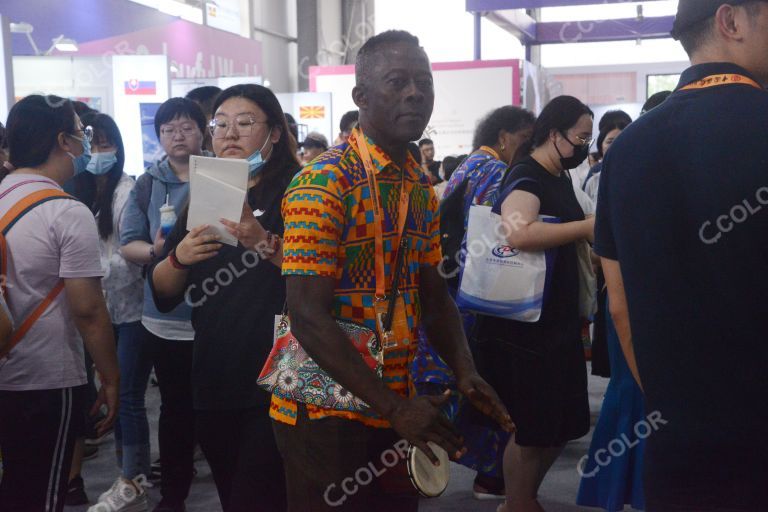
(430,480)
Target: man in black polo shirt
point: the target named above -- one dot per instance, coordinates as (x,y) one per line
(682,227)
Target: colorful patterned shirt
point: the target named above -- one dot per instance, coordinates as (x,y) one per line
(329,232)
(484,173)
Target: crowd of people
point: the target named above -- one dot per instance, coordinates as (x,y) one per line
(102,282)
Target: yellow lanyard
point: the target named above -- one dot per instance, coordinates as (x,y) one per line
(491,151)
(361,147)
(723,79)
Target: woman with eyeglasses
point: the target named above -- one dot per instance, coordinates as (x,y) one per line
(538,369)
(179,124)
(105,189)
(235,293)
(52,280)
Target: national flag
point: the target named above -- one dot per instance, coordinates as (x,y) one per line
(316,112)
(137,87)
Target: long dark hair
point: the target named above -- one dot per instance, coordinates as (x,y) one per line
(85,189)
(283,158)
(34,124)
(561,114)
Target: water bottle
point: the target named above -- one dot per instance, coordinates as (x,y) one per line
(167,217)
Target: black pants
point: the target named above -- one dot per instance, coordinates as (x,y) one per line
(246,465)
(337,464)
(176,433)
(37,435)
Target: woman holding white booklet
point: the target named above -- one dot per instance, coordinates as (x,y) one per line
(235,293)
(538,368)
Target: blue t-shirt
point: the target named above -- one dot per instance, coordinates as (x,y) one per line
(683,207)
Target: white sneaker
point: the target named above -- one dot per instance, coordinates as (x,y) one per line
(123,496)
(140,480)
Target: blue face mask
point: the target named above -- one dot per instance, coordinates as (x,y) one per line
(255,161)
(101,163)
(81,162)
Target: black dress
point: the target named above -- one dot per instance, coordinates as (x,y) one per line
(538,369)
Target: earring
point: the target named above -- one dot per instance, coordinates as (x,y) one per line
(502,147)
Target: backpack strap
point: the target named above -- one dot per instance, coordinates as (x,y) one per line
(8,220)
(143,190)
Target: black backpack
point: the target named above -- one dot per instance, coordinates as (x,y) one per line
(452,234)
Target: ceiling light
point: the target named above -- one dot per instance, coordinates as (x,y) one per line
(21,28)
(65,44)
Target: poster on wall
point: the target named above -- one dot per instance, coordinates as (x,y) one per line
(313,112)
(137,80)
(92,101)
(224,15)
(149,143)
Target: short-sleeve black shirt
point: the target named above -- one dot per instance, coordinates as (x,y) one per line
(235,298)
(683,207)
(557,199)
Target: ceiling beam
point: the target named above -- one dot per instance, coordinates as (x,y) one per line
(603,30)
(498,5)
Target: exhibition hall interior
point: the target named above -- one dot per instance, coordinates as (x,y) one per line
(383,255)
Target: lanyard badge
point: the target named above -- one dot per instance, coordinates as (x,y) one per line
(391,318)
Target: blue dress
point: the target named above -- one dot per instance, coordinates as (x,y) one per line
(612,472)
(484,440)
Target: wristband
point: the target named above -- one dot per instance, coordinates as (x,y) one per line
(175,263)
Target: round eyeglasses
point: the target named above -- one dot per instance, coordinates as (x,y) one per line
(242,126)
(187,130)
(87,133)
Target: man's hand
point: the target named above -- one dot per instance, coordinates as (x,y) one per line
(420,420)
(446,333)
(109,395)
(485,399)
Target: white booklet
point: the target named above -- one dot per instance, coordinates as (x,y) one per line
(217,189)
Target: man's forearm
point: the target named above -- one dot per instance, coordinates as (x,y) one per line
(445,331)
(621,323)
(619,311)
(98,337)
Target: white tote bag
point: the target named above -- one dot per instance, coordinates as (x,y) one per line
(497,279)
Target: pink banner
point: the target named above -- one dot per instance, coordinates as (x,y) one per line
(196,51)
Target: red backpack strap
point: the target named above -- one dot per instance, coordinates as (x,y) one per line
(8,220)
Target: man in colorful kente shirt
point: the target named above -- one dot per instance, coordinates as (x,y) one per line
(334,250)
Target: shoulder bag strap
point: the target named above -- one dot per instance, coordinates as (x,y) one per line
(10,219)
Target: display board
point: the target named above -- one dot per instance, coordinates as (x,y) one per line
(314,110)
(137,80)
(6,69)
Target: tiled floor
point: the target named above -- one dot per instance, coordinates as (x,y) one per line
(558,493)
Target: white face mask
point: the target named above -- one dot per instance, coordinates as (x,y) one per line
(255,161)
